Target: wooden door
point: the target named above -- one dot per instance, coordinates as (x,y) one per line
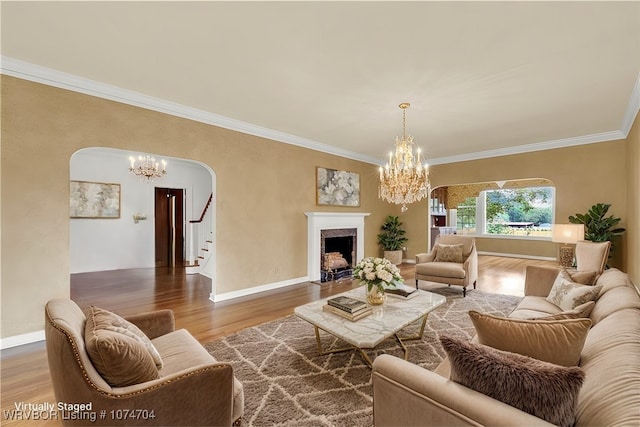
(169,227)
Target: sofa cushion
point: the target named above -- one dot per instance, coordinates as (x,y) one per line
(554,341)
(610,394)
(449,253)
(568,294)
(99,318)
(539,388)
(180,351)
(441,269)
(614,300)
(580,311)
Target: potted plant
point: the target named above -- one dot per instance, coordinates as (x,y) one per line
(597,228)
(392,239)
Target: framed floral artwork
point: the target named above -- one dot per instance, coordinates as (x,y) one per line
(94,200)
(337,188)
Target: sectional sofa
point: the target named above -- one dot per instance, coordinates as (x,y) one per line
(406,394)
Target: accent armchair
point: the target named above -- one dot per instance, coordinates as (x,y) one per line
(190,389)
(592,256)
(453,260)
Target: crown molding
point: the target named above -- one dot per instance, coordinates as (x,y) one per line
(528,148)
(632,108)
(35,73)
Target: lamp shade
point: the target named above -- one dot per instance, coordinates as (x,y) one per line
(567,233)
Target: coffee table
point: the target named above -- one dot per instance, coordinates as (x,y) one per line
(385,321)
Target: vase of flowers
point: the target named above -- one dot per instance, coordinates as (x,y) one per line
(377,274)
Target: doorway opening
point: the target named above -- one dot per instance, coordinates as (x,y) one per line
(169,227)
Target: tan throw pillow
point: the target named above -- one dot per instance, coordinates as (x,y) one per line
(568,295)
(120,360)
(539,388)
(581,277)
(581,311)
(554,341)
(449,253)
(106,320)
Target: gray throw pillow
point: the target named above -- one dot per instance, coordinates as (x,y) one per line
(542,389)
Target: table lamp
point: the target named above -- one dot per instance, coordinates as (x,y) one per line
(567,234)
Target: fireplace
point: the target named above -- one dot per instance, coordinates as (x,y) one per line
(334,226)
(337,253)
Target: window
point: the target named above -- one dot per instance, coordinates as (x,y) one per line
(523,212)
(519,211)
(467,216)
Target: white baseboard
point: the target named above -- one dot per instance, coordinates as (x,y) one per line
(257,289)
(409,261)
(17,340)
(541,258)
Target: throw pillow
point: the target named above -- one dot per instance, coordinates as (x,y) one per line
(568,295)
(581,277)
(99,318)
(554,341)
(449,253)
(120,359)
(539,388)
(581,311)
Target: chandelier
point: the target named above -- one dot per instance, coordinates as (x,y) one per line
(404,180)
(147,167)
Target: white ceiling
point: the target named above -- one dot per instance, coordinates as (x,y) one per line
(483,78)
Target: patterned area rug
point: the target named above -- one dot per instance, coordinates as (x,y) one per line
(286,382)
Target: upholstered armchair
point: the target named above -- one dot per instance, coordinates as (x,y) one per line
(453,260)
(190,388)
(592,256)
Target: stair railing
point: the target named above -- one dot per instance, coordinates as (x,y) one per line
(203,227)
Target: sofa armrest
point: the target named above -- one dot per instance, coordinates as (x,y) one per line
(538,281)
(425,257)
(406,394)
(155,323)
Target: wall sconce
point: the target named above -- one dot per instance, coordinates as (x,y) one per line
(567,234)
(139,217)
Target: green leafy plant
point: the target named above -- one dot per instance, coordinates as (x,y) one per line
(392,236)
(597,227)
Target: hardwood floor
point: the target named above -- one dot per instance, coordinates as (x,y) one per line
(25,374)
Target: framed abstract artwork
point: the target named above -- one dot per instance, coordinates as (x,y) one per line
(94,200)
(337,188)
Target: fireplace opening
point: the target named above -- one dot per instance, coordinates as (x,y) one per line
(337,253)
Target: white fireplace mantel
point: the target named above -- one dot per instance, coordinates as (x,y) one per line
(318,221)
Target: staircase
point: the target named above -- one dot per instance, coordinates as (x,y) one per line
(201,237)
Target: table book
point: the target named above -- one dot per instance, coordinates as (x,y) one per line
(353,317)
(348,304)
(402,291)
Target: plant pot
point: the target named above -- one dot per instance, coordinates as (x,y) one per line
(394,256)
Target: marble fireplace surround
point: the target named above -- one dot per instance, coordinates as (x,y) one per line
(318,221)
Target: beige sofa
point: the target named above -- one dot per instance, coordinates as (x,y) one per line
(191,389)
(408,395)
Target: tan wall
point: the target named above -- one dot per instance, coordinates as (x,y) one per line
(261,227)
(633,210)
(583,175)
(263,189)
